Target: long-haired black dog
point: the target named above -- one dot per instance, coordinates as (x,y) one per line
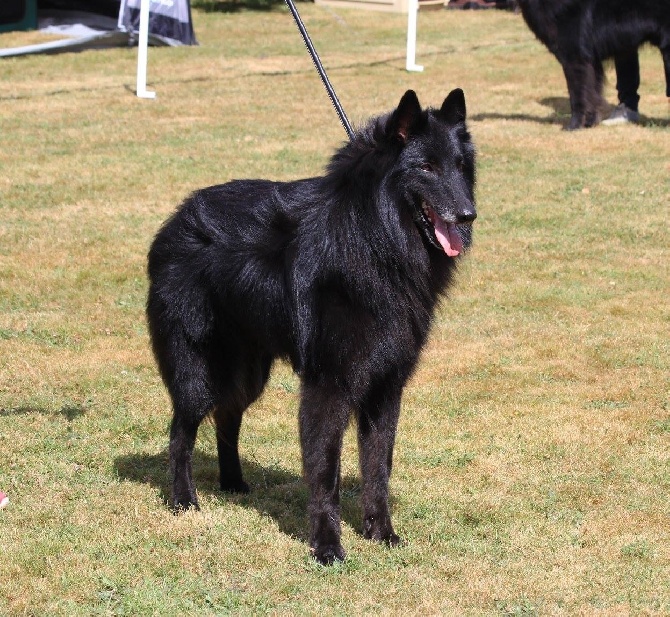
(583,33)
(339,274)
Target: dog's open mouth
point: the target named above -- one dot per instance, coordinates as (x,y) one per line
(440,233)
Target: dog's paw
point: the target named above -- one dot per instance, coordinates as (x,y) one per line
(380,530)
(328,554)
(235,486)
(576,123)
(393,539)
(183,505)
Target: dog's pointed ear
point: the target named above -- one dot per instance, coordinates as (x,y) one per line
(404,117)
(453,108)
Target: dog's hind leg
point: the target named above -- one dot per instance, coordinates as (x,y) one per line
(179,319)
(666,65)
(228,421)
(595,81)
(377,424)
(585,78)
(575,79)
(234,395)
(323,419)
(192,401)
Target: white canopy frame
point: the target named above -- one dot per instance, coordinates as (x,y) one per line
(142,53)
(143,44)
(412,12)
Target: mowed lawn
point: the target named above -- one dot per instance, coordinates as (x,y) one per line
(532,466)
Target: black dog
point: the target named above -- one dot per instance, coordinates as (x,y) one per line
(339,274)
(583,33)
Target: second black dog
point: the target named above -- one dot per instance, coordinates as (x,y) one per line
(583,33)
(339,274)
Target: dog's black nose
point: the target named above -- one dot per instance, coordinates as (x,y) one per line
(466,217)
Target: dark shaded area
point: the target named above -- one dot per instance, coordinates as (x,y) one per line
(481,4)
(560,105)
(70,412)
(561,108)
(275,492)
(232,6)
(110,8)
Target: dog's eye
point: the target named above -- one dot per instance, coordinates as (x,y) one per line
(427,167)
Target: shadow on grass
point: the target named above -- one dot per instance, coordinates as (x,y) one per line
(561,108)
(275,492)
(69,412)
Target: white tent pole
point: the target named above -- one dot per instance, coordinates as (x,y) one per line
(412,10)
(142,46)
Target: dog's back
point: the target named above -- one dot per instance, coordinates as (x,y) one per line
(222,260)
(608,26)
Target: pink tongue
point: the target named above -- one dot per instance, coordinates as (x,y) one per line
(447,236)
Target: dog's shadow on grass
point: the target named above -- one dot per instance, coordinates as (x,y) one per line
(559,105)
(561,114)
(69,412)
(275,492)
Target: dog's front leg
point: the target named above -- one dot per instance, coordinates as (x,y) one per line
(377,424)
(323,420)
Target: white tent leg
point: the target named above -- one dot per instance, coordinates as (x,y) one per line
(412,10)
(142,46)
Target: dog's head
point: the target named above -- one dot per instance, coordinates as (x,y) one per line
(435,169)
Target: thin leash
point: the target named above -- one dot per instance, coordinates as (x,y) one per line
(322,72)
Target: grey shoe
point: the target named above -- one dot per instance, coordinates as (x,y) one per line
(622,115)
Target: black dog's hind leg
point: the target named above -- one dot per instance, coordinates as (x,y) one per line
(585,79)
(594,92)
(192,401)
(228,422)
(323,420)
(666,65)
(237,394)
(377,424)
(574,77)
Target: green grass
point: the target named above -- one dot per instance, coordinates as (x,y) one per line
(532,467)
